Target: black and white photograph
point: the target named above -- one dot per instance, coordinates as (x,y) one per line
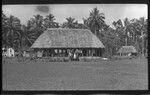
(76,94)
(53,47)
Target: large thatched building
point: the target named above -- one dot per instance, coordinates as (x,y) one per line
(56,41)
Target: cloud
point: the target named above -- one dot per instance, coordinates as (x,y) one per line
(43,9)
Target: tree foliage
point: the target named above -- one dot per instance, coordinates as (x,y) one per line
(10,28)
(133,32)
(126,32)
(70,23)
(95,21)
(49,22)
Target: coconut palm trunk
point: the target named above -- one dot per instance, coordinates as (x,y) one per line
(95,31)
(142,43)
(126,40)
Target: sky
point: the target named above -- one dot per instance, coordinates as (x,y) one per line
(112,12)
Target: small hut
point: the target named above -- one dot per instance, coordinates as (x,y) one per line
(127,51)
(26,52)
(58,41)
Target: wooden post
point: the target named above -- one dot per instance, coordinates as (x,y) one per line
(81,52)
(126,42)
(142,43)
(52,52)
(86,52)
(97,50)
(92,52)
(89,52)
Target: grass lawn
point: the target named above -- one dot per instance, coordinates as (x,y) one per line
(127,74)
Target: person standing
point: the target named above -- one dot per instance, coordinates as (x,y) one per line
(75,56)
(10,52)
(70,55)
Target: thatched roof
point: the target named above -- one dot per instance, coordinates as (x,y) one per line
(67,38)
(127,49)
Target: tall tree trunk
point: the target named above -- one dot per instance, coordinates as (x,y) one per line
(95,32)
(146,44)
(142,43)
(126,41)
(110,52)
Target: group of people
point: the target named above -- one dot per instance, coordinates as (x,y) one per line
(73,55)
(9,52)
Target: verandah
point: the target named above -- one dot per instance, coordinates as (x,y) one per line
(63,52)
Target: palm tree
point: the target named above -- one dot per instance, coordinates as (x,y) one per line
(38,20)
(143,31)
(111,41)
(11,29)
(49,22)
(37,24)
(141,22)
(80,26)
(119,31)
(96,21)
(146,35)
(86,23)
(27,36)
(126,30)
(4,29)
(140,31)
(118,27)
(71,23)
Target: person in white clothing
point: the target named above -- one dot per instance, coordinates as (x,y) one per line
(10,52)
(74,56)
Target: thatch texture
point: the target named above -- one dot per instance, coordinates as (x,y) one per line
(67,38)
(127,49)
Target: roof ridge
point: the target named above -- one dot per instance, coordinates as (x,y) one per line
(65,29)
